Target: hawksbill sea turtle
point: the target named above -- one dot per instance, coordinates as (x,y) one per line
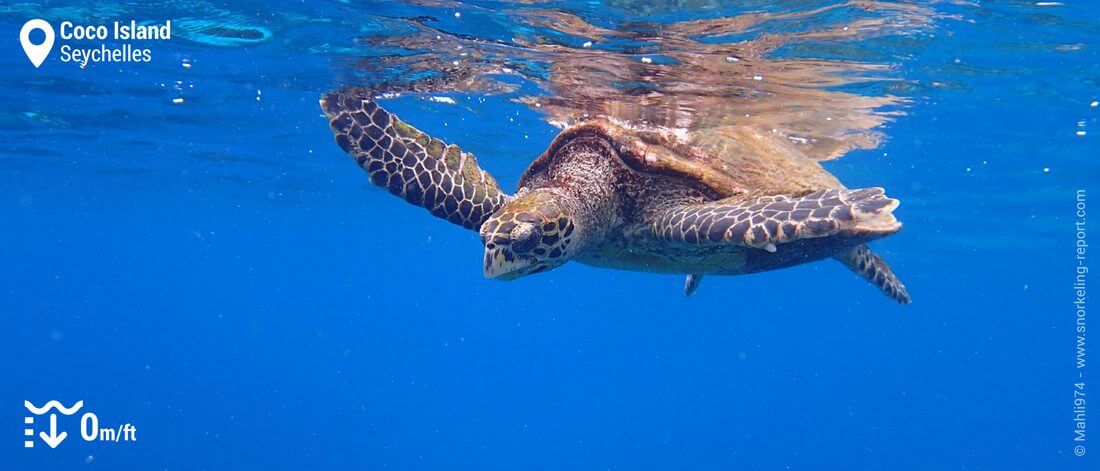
(690,147)
(612,195)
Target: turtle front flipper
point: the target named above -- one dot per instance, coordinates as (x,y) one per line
(767,221)
(423,170)
(874,269)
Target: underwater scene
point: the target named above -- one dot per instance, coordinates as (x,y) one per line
(599,234)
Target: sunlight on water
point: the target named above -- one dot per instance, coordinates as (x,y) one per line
(792,80)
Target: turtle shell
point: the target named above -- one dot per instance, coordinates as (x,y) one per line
(729,162)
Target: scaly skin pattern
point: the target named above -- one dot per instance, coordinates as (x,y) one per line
(556,214)
(423,170)
(875,270)
(533,225)
(770,220)
(633,245)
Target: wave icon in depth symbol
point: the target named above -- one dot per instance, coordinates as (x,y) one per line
(54,404)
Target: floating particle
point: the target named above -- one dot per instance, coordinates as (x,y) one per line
(1048,4)
(1081,133)
(732,59)
(458,15)
(1046,169)
(177,100)
(1094,104)
(443,99)
(758,77)
(647,60)
(587,44)
(186,65)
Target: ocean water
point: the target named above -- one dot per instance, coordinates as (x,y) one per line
(185,249)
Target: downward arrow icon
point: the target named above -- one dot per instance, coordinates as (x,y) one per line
(53,439)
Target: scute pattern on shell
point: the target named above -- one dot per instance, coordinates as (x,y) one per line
(423,170)
(778,219)
(719,165)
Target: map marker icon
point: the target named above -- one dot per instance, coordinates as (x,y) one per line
(36,52)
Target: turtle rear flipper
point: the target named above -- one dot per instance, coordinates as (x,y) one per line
(874,269)
(423,170)
(767,221)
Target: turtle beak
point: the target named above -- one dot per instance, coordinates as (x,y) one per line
(502,264)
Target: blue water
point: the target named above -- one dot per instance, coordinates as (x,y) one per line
(219,274)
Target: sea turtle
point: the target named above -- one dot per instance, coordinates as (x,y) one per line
(608,194)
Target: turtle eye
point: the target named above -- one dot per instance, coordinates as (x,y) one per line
(525,237)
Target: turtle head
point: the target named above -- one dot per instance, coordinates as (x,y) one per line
(530,234)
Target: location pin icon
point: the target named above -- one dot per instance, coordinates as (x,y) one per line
(36,52)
